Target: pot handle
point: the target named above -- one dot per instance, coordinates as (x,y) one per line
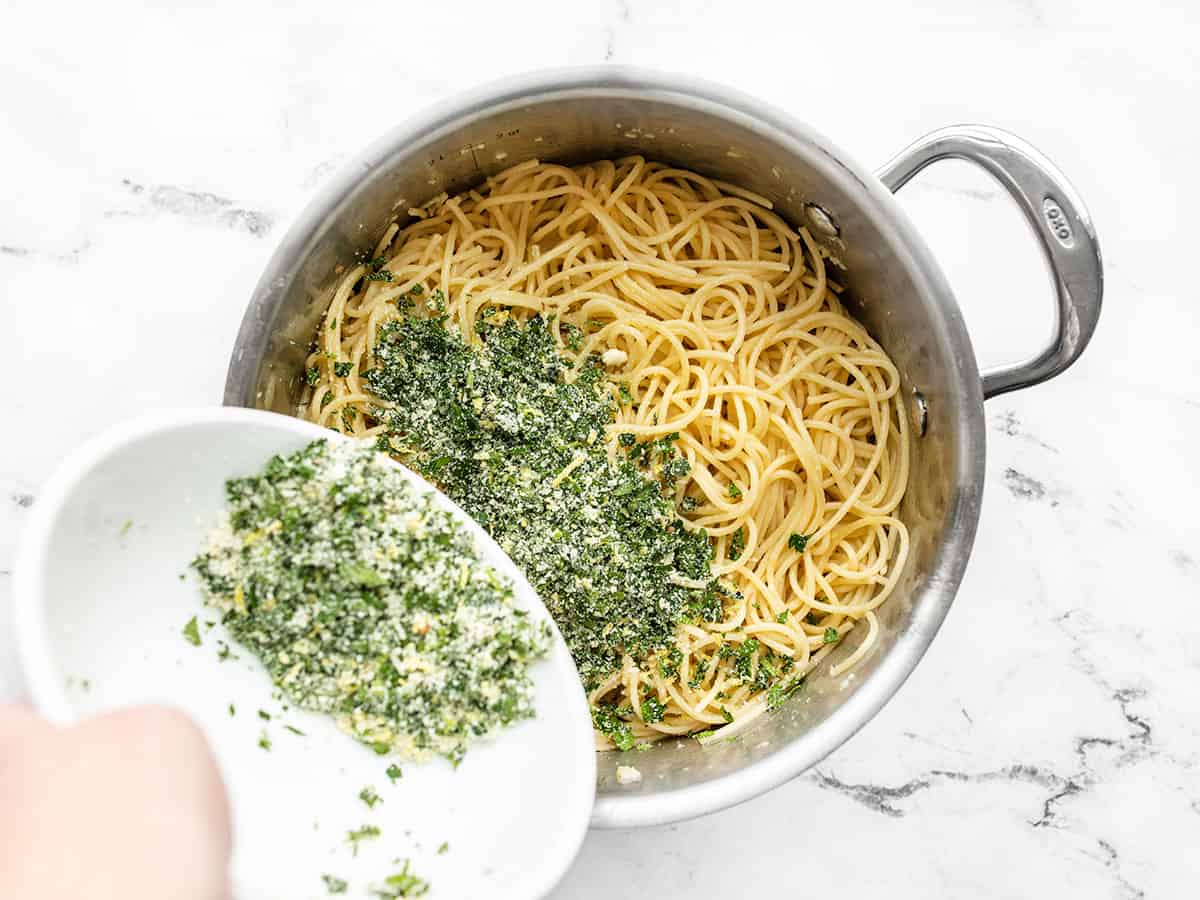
(1059,220)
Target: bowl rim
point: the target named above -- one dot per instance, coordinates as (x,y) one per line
(965,394)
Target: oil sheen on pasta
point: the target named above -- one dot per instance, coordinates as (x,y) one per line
(643,384)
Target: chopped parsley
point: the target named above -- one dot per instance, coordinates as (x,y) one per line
(342,369)
(653,710)
(573,336)
(366,601)
(668,663)
(608,721)
(782,617)
(264,715)
(264,741)
(799,542)
(766,673)
(312,375)
(368,796)
(404,883)
(191,631)
(443,847)
(365,833)
(335,885)
(393,773)
(780,691)
(743,658)
(737,544)
(375,268)
(734,491)
(436,302)
(831,636)
(294,730)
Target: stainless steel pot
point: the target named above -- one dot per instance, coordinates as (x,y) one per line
(894,284)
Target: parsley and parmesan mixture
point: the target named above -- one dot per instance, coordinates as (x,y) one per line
(647,386)
(366,601)
(509,429)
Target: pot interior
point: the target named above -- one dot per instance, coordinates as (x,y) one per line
(893,287)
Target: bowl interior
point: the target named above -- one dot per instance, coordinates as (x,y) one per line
(893,287)
(104,599)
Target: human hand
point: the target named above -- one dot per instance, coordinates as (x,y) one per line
(126,806)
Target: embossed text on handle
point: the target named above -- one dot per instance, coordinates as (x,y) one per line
(1056,221)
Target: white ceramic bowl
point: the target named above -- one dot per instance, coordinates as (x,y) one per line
(100,609)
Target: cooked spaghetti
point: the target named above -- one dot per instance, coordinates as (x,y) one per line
(714,333)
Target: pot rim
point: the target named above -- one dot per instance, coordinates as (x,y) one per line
(642,809)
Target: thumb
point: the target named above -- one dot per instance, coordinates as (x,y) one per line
(19,723)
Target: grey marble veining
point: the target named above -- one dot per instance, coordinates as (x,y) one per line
(1049,743)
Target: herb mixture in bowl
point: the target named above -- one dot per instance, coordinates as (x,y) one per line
(366,600)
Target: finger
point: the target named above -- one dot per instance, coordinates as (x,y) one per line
(19,723)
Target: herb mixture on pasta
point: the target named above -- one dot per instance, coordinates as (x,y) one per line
(643,384)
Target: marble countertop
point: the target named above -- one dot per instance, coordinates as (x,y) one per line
(1049,743)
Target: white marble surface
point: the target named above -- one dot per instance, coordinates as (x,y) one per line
(1048,744)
